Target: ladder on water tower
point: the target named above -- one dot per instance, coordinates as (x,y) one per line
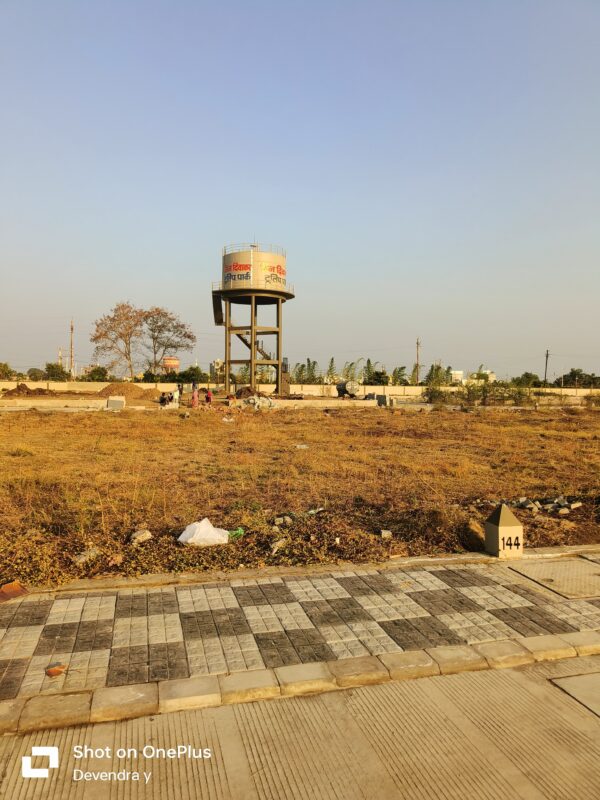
(242,337)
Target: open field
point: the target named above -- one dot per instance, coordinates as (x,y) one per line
(69,483)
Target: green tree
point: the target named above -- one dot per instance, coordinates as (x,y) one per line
(264,374)
(192,375)
(35,374)
(438,376)
(369,371)
(480,374)
(242,375)
(6,371)
(577,377)
(527,380)
(379,377)
(399,376)
(351,370)
(331,374)
(312,372)
(97,374)
(299,373)
(55,372)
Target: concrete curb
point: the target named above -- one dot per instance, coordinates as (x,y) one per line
(110,704)
(155,580)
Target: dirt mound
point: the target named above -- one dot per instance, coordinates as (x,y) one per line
(246,391)
(130,391)
(22,390)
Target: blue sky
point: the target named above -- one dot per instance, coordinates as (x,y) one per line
(432,169)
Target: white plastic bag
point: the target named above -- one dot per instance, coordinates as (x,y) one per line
(204,534)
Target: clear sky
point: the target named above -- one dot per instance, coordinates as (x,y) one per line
(432,168)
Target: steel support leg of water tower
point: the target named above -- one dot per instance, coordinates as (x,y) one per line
(279,351)
(253,343)
(227,345)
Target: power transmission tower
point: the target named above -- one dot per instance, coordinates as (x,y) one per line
(418,365)
(546,368)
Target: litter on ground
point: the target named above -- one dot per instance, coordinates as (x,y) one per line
(204,534)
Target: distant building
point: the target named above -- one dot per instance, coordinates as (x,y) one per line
(457,375)
(217,371)
(491,377)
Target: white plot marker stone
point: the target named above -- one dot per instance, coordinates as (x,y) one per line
(504,534)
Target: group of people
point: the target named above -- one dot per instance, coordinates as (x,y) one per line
(173,398)
(196,396)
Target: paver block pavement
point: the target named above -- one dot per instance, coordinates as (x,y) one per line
(58,711)
(501,655)
(10,711)
(587,643)
(305,678)
(412,664)
(457,658)
(186,693)
(547,648)
(124,702)
(360,671)
(243,687)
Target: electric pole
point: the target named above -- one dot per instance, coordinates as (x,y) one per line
(71,355)
(546,368)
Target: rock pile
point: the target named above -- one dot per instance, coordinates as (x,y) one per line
(559,505)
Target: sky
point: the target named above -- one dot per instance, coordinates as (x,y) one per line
(432,169)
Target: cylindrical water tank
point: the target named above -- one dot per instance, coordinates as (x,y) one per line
(254,266)
(351,388)
(170,364)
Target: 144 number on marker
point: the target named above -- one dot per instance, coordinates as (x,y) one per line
(510,543)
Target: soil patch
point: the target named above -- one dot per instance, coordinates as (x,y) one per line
(130,391)
(22,390)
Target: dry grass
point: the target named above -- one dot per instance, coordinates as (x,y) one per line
(69,482)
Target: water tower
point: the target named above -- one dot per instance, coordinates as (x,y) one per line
(254,275)
(170,364)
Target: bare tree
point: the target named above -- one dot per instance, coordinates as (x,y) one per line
(118,335)
(165,335)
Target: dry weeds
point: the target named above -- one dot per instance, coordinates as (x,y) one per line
(73,482)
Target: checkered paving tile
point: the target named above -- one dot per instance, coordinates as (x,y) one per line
(121,637)
(12,672)
(532,620)
(497,596)
(581,614)
(476,626)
